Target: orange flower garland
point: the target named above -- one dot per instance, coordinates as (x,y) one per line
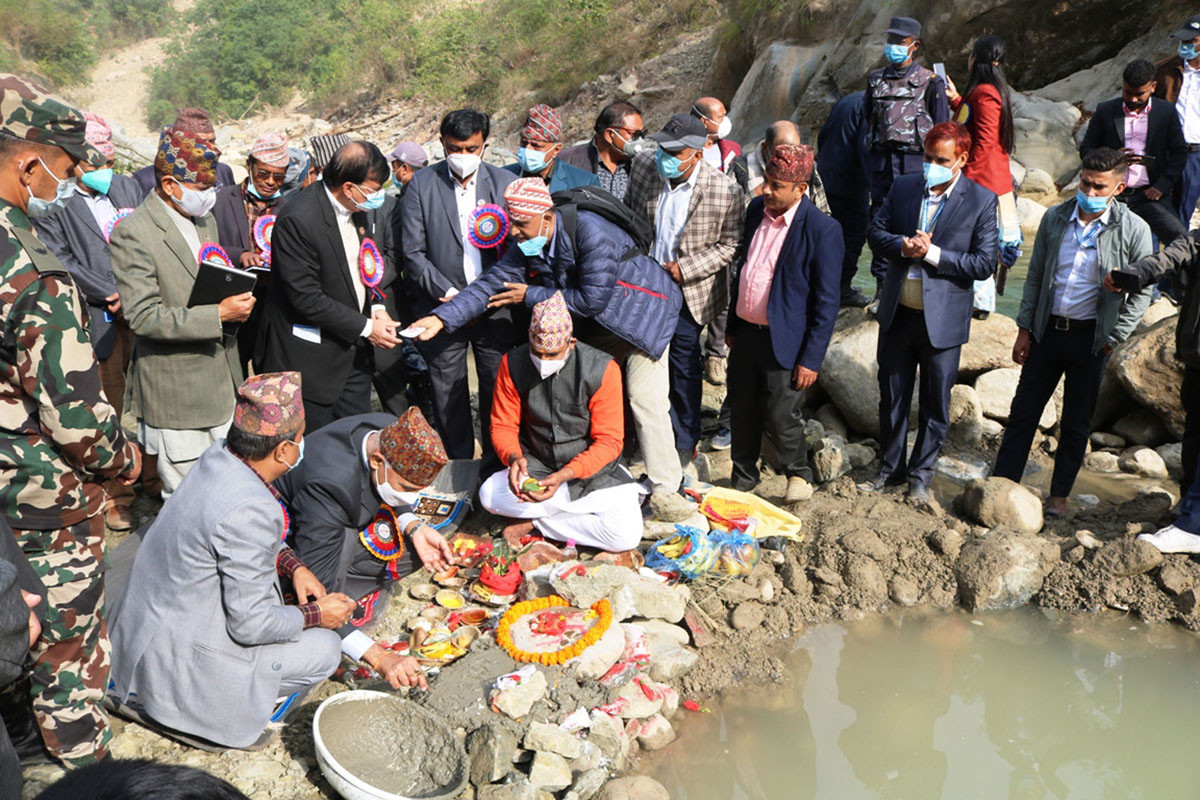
(601,609)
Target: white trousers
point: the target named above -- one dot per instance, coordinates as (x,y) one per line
(610,519)
(648,387)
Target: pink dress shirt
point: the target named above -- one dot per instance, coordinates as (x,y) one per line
(754,285)
(1137,123)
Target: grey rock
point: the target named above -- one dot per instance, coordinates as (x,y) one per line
(638,705)
(859,455)
(601,581)
(1172,456)
(991,429)
(1143,461)
(996,390)
(946,541)
(1101,440)
(1187,601)
(848,374)
(608,734)
(1141,427)
(490,750)
(748,616)
(966,416)
(1003,569)
(1125,557)
(518,700)
(637,787)
(1174,580)
(649,598)
(550,771)
(903,591)
(989,347)
(673,664)
(655,733)
(1101,461)
(828,461)
(1088,539)
(1147,368)
(864,577)
(588,783)
(670,506)
(520,789)
(831,420)
(999,502)
(546,738)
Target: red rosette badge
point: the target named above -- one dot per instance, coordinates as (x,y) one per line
(263,228)
(370,266)
(213,253)
(487,226)
(382,537)
(121,214)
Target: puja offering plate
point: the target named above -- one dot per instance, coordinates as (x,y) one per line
(423,591)
(469,549)
(448,598)
(483,594)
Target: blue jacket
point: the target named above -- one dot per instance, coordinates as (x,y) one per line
(805,290)
(967,234)
(842,148)
(633,298)
(564,176)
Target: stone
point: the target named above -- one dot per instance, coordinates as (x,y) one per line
(1101,440)
(518,700)
(866,543)
(588,783)
(990,346)
(657,529)
(947,542)
(966,416)
(1125,557)
(670,698)
(546,738)
(600,657)
(1044,135)
(490,750)
(636,787)
(1156,312)
(962,468)
(608,734)
(1112,402)
(1172,456)
(1100,461)
(638,705)
(1003,569)
(1087,500)
(1088,539)
(584,591)
(864,577)
(992,429)
(996,390)
(550,771)
(858,455)
(1187,601)
(1173,580)
(903,591)
(770,89)
(1142,427)
(1030,215)
(655,733)
(670,507)
(1147,368)
(748,616)
(1143,461)
(848,374)
(649,598)
(827,460)
(831,420)
(1039,187)
(662,630)
(999,502)
(520,789)
(673,664)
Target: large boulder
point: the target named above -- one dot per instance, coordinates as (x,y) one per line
(996,390)
(1156,312)
(1147,368)
(771,88)
(990,345)
(1001,503)
(1143,461)
(1039,187)
(1030,215)
(966,416)
(1003,569)
(1044,134)
(849,373)
(1141,427)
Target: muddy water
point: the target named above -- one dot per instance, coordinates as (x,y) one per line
(948,705)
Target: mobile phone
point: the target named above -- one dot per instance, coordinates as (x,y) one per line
(939,69)
(1143,158)
(1126,281)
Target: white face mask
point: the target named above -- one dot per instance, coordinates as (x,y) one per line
(464,165)
(196,204)
(724,128)
(547,367)
(389,494)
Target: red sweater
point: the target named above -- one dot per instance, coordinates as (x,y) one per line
(987,163)
(607,411)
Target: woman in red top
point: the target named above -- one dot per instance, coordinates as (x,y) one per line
(986,110)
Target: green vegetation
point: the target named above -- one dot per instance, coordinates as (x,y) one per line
(238,55)
(61,39)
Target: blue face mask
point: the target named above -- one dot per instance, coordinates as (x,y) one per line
(532,248)
(1187,51)
(300,456)
(530,160)
(1091,205)
(936,174)
(373,200)
(38,207)
(668,165)
(97,180)
(896,53)
(250,187)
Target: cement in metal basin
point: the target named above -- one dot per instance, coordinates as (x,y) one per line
(375,746)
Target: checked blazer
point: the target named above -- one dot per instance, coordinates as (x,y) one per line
(709,242)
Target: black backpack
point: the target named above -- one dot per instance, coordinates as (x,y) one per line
(592,198)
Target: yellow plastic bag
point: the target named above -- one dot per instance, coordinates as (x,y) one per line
(731,510)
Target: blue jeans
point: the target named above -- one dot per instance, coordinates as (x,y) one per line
(687,381)
(1188,191)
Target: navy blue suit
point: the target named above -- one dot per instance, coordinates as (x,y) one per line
(802,305)
(931,338)
(842,162)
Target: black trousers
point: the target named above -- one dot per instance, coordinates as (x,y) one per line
(446,355)
(1190,398)
(902,349)
(1059,353)
(1160,214)
(852,211)
(355,397)
(761,394)
(687,381)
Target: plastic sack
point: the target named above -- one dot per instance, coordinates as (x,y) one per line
(689,554)
(731,510)
(739,553)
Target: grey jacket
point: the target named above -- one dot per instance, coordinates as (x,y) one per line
(73,236)
(184,367)
(197,633)
(1125,240)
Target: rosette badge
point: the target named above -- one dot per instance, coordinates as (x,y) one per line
(487,226)
(382,536)
(370,266)
(213,253)
(262,235)
(121,214)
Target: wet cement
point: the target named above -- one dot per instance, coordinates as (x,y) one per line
(394,746)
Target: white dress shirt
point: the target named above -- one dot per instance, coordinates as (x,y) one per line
(1187,105)
(465,197)
(932,207)
(672,215)
(351,245)
(186,227)
(102,208)
(1077,279)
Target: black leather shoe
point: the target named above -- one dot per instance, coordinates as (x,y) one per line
(918,494)
(854,298)
(876,484)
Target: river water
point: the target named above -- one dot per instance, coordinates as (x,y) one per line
(921,704)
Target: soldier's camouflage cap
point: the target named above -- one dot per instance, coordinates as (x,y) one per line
(31,113)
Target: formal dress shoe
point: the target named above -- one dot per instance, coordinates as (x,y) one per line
(853,297)
(798,490)
(876,484)
(714,370)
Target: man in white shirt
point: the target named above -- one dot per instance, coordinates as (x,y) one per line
(1178,82)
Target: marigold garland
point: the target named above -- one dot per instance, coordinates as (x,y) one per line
(602,609)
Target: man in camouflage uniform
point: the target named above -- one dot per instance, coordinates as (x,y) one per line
(59,437)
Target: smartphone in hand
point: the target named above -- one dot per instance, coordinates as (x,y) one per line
(1126,281)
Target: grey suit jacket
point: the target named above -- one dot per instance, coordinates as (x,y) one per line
(430,241)
(198,633)
(184,367)
(73,235)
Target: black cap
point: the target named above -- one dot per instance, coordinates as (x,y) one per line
(905,26)
(1189,30)
(682,130)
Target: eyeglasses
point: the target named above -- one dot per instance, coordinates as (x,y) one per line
(634,134)
(261,174)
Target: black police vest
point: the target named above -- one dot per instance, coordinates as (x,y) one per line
(899,117)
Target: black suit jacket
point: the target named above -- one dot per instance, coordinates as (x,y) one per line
(1164,139)
(429,236)
(330,493)
(311,287)
(583,156)
(233,226)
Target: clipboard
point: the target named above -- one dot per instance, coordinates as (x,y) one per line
(215,282)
